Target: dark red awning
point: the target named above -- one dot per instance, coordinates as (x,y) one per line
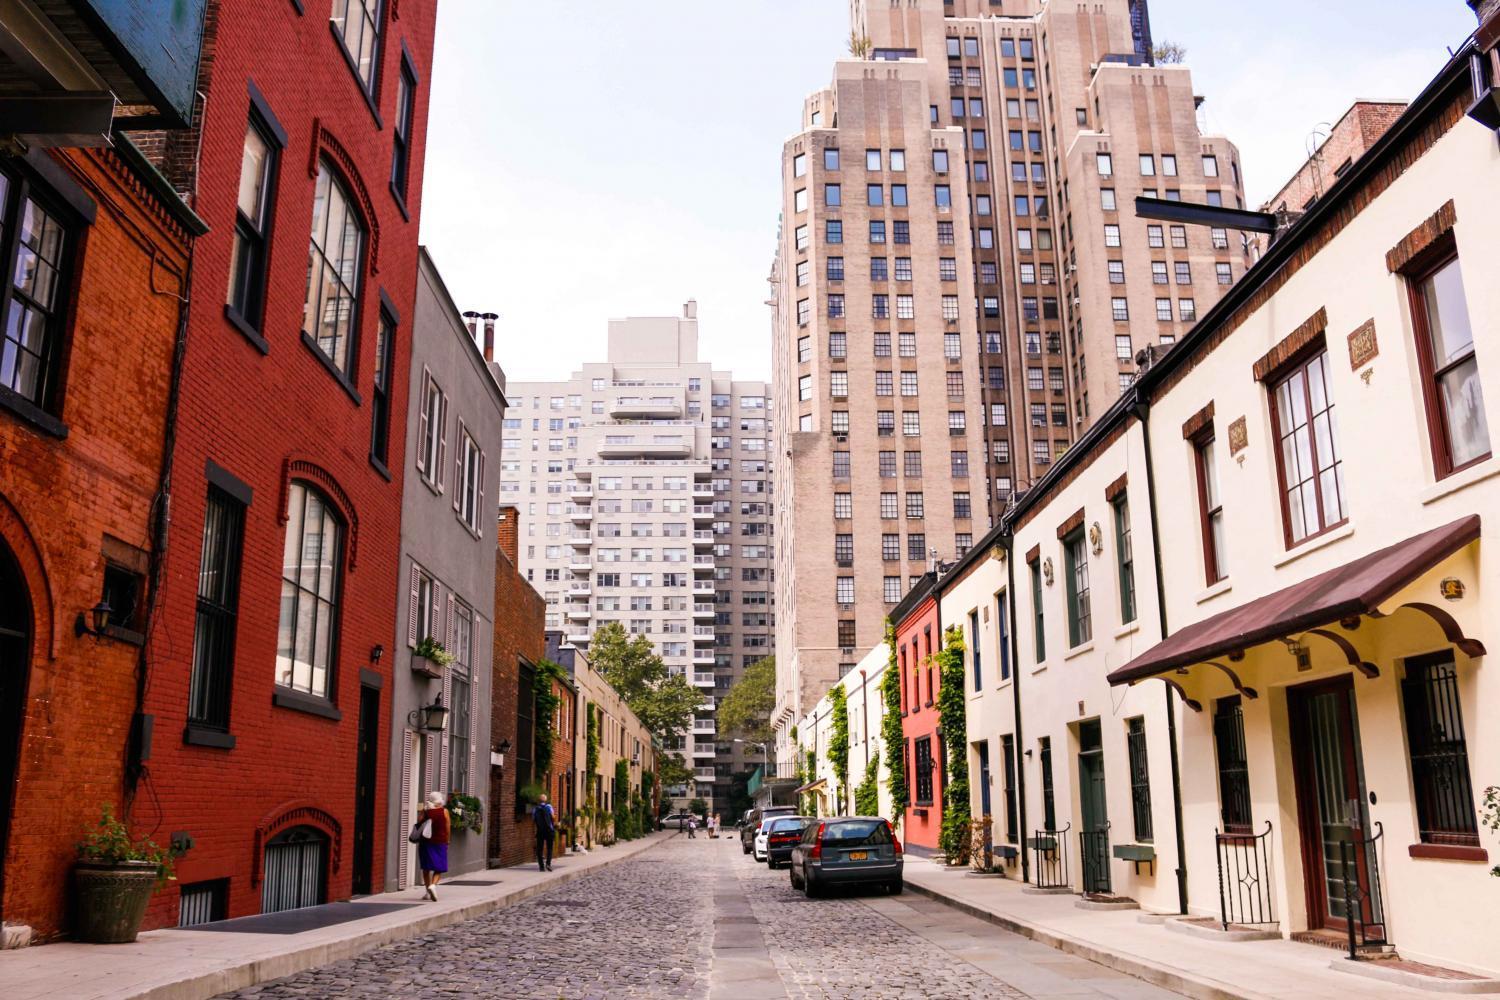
(1350,590)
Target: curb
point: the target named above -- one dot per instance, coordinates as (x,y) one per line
(1374,970)
(1158,975)
(254,972)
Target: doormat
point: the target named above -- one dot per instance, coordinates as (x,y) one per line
(308,918)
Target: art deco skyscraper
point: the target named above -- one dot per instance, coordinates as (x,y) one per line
(961,284)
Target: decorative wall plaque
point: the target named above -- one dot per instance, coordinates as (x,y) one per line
(1239,437)
(1362,345)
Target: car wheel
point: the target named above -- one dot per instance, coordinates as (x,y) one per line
(812,888)
(744,849)
(796,882)
(895,886)
(771,864)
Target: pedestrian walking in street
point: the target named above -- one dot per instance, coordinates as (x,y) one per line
(544,821)
(432,850)
(718,825)
(692,827)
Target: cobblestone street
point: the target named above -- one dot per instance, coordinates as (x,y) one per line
(696,918)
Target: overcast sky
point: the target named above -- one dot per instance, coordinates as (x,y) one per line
(592,159)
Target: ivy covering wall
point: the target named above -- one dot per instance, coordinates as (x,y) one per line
(952,710)
(891,733)
(838,746)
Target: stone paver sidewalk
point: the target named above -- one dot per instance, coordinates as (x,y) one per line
(190,964)
(1135,943)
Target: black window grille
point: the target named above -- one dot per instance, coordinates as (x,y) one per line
(218,604)
(924,771)
(1140,778)
(1234,769)
(1049,804)
(1012,822)
(1439,752)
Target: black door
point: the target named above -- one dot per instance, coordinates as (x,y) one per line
(1094,837)
(15,667)
(364,791)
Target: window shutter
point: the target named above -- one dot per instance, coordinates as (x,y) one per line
(422,423)
(434,620)
(411,611)
(479,515)
(450,642)
(403,864)
(442,771)
(442,448)
(459,486)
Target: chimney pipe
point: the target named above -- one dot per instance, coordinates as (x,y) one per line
(471,319)
(489,334)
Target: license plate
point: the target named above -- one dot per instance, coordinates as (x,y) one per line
(859,855)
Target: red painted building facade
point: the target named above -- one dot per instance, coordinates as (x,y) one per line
(919,636)
(269,671)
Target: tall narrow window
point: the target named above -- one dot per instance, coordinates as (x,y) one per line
(923,776)
(380,399)
(432,433)
(357,25)
(1003,628)
(1439,752)
(1307,453)
(1049,805)
(1210,509)
(1126,557)
(218,607)
(406,102)
(1080,618)
(310,583)
(40,244)
(974,648)
(460,690)
(1234,768)
(1140,778)
(468,481)
(333,274)
(1038,619)
(1450,373)
(1008,770)
(252,224)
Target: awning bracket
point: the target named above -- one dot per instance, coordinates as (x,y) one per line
(1350,653)
(1451,630)
(1234,679)
(1190,703)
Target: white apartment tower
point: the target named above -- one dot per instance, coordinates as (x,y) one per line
(644,486)
(962,284)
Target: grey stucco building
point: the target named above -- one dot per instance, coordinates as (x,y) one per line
(453,428)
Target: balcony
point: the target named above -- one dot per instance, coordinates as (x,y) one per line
(703,587)
(703,610)
(665,446)
(703,750)
(705,726)
(578,613)
(645,407)
(703,564)
(582,494)
(582,471)
(703,774)
(581,515)
(704,633)
(703,537)
(703,678)
(580,541)
(703,491)
(580,588)
(703,657)
(703,512)
(579,637)
(580,564)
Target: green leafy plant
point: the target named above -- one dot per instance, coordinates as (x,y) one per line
(623,828)
(530,793)
(809,804)
(699,808)
(867,794)
(891,733)
(109,842)
(467,812)
(547,700)
(1489,816)
(838,745)
(952,710)
(745,709)
(430,649)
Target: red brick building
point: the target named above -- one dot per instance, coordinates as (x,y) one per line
(84,412)
(919,636)
(520,645)
(268,673)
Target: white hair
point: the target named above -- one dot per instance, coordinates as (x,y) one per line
(435,799)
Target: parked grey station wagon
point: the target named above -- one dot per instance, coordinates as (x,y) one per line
(847,851)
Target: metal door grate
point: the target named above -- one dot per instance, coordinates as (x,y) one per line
(294,872)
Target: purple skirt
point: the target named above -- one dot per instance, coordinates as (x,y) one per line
(432,857)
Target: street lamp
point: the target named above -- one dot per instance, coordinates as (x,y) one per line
(430,718)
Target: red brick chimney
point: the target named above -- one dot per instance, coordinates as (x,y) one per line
(508,534)
(489,335)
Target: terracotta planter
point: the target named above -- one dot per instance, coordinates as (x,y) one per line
(109,900)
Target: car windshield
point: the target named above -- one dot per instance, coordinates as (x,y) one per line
(787,825)
(867,831)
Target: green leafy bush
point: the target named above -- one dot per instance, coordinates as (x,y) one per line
(891,733)
(867,794)
(952,712)
(109,842)
(429,648)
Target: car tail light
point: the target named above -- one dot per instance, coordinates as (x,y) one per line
(895,840)
(817,849)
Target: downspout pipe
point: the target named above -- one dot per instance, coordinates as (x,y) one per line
(1142,411)
(1007,539)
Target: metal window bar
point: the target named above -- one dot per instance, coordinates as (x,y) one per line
(1363,903)
(1094,846)
(1244,861)
(1234,769)
(1050,859)
(1439,755)
(294,871)
(1140,780)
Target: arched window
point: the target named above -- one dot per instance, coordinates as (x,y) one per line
(338,237)
(311,578)
(295,870)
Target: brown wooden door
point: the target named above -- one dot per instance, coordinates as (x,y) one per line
(1330,801)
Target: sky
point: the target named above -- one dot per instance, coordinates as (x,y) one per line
(588,159)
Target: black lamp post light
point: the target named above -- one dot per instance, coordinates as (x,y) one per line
(96,622)
(430,718)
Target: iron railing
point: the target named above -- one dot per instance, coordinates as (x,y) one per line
(1244,861)
(1050,859)
(1094,847)
(1364,909)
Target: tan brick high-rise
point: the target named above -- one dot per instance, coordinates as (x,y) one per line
(961,285)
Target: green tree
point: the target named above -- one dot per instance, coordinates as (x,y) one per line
(663,702)
(623,828)
(952,705)
(1168,53)
(699,808)
(745,709)
(891,733)
(838,745)
(867,795)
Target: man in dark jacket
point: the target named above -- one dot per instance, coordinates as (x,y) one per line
(544,820)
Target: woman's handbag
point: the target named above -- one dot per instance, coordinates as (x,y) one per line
(420,830)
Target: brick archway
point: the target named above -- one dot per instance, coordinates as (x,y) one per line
(302,812)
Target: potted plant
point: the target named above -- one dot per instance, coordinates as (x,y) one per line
(429,657)
(466,811)
(113,881)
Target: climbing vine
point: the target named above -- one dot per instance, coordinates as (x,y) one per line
(838,745)
(867,795)
(547,701)
(891,733)
(954,838)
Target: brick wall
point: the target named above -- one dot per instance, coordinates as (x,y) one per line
(63,501)
(520,632)
(254,412)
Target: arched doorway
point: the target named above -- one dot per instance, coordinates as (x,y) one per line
(296,871)
(15,669)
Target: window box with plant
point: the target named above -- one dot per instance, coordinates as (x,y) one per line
(429,658)
(113,881)
(466,812)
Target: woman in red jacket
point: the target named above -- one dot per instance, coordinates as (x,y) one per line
(432,852)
